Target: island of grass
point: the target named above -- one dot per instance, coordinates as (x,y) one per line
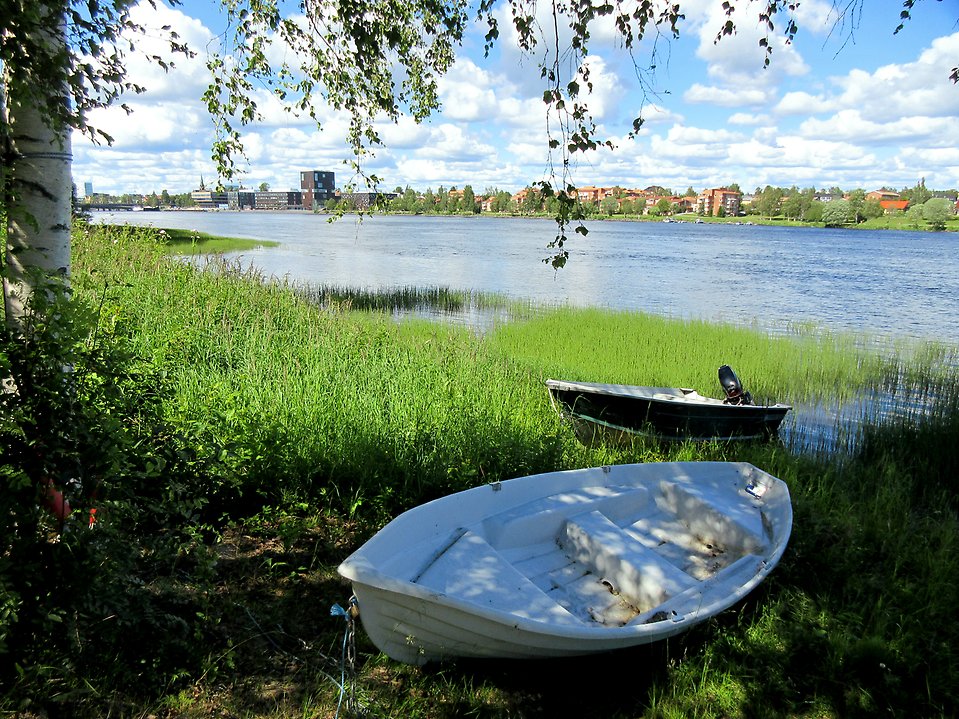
(194,242)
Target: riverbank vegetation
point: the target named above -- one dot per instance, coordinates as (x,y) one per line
(238,439)
(193,242)
(915,208)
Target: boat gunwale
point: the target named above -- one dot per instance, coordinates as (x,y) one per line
(647,393)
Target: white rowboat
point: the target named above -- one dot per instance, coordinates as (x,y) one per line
(569,563)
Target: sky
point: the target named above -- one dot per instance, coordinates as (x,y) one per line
(847,104)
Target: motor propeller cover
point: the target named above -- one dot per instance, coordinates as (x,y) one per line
(732,387)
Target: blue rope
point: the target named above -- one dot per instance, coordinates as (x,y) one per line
(337,611)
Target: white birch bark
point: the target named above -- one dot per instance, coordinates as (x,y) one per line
(38,182)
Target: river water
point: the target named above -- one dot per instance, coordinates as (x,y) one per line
(887,285)
(881,283)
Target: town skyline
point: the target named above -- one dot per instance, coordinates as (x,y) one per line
(388,187)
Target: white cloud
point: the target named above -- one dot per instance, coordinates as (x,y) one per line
(802,103)
(892,91)
(190,77)
(745,118)
(165,124)
(466,93)
(655,114)
(784,125)
(738,60)
(851,126)
(407,134)
(726,96)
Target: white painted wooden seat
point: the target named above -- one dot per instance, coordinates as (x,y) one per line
(737,525)
(637,573)
(472,570)
(542,519)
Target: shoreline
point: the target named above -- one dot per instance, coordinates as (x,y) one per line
(882,223)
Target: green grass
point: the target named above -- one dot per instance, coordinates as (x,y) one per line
(904,222)
(192,242)
(337,419)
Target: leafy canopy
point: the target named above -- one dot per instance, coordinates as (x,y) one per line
(91,64)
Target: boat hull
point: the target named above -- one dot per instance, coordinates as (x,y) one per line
(499,570)
(665,412)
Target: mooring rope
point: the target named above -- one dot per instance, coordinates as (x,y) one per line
(348,656)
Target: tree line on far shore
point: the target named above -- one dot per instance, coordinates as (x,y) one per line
(842,207)
(833,207)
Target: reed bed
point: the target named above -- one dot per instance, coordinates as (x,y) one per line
(636,348)
(336,419)
(436,299)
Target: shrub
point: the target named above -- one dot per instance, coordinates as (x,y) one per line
(81,602)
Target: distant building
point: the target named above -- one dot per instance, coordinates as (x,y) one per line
(317,187)
(710,202)
(283,200)
(88,189)
(241,199)
(882,195)
(209,199)
(893,206)
(590,194)
(365,200)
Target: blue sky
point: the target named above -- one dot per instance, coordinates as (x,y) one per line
(841,106)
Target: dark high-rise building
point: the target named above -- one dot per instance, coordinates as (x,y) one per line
(317,187)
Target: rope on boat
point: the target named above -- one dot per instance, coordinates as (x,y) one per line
(348,656)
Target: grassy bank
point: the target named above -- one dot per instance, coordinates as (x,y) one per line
(300,427)
(193,242)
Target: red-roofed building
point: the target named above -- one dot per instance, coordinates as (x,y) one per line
(894,205)
(882,195)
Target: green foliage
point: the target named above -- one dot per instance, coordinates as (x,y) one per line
(205,403)
(81,605)
(357,404)
(348,58)
(769,201)
(872,209)
(836,213)
(90,65)
(937,212)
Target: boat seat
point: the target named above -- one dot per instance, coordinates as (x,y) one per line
(700,597)
(637,573)
(471,570)
(738,525)
(544,517)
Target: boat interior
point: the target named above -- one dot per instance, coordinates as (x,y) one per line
(603,556)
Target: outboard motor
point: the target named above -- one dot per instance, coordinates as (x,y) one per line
(735,394)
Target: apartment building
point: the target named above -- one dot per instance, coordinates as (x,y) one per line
(718,201)
(365,200)
(241,199)
(209,199)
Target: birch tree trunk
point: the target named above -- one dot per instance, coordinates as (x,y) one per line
(37,185)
